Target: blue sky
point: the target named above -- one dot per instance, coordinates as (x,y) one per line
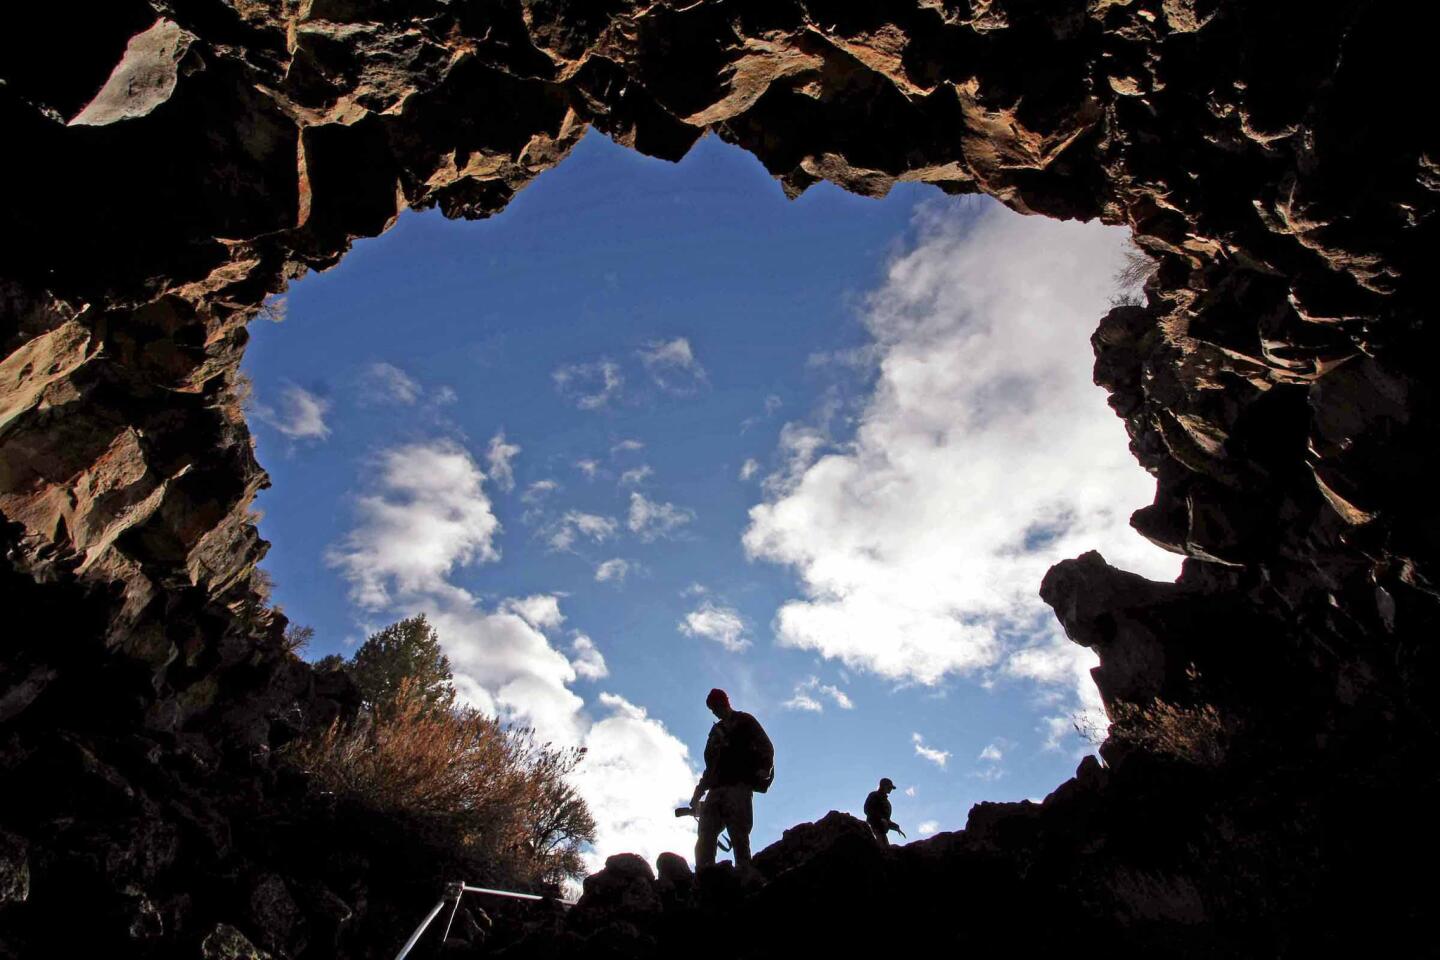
(656,429)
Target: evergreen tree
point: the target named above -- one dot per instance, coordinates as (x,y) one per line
(408,650)
(331,661)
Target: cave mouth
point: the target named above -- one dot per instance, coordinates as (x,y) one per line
(626,380)
(182,160)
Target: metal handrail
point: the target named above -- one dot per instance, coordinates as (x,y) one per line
(454,891)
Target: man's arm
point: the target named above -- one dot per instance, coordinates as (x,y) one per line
(707,779)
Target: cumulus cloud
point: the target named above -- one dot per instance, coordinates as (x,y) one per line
(808,696)
(626,446)
(650,520)
(672,365)
(588,661)
(426,515)
(541,611)
(928,827)
(588,467)
(615,568)
(634,773)
(499,457)
(300,414)
(590,386)
(387,383)
(992,753)
(937,757)
(749,468)
(722,624)
(984,455)
(562,534)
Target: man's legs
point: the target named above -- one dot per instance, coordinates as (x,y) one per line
(739,818)
(712,815)
(881,831)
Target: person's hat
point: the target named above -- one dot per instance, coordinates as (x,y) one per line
(717,697)
(887,782)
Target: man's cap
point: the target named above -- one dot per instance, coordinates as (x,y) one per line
(887,782)
(717,697)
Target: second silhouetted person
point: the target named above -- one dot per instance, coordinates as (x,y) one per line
(877,812)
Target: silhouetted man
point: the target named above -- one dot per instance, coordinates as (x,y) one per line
(739,760)
(877,812)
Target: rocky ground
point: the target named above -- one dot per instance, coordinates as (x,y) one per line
(171,163)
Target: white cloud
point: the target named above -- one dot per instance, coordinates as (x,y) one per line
(909,791)
(749,468)
(800,444)
(724,625)
(588,467)
(626,446)
(803,701)
(427,514)
(672,365)
(539,490)
(499,456)
(808,691)
(1056,662)
(541,611)
(590,385)
(615,568)
(588,661)
(505,666)
(928,827)
(937,757)
(385,382)
(634,774)
(637,475)
(562,534)
(990,757)
(984,455)
(650,519)
(444,396)
(772,404)
(300,416)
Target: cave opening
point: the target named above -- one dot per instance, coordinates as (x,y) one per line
(1275,382)
(656,428)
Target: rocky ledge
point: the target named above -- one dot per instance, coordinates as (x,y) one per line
(171,163)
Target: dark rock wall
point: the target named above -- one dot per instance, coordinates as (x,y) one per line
(171,163)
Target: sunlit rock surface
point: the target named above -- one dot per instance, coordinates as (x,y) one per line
(1272,768)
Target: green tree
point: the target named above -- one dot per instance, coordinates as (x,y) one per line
(408,650)
(331,661)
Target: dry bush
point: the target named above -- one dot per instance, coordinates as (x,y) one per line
(1132,276)
(499,796)
(1195,734)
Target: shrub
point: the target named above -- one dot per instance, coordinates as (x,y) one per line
(1196,734)
(490,788)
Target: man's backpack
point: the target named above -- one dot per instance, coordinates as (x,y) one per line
(762,783)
